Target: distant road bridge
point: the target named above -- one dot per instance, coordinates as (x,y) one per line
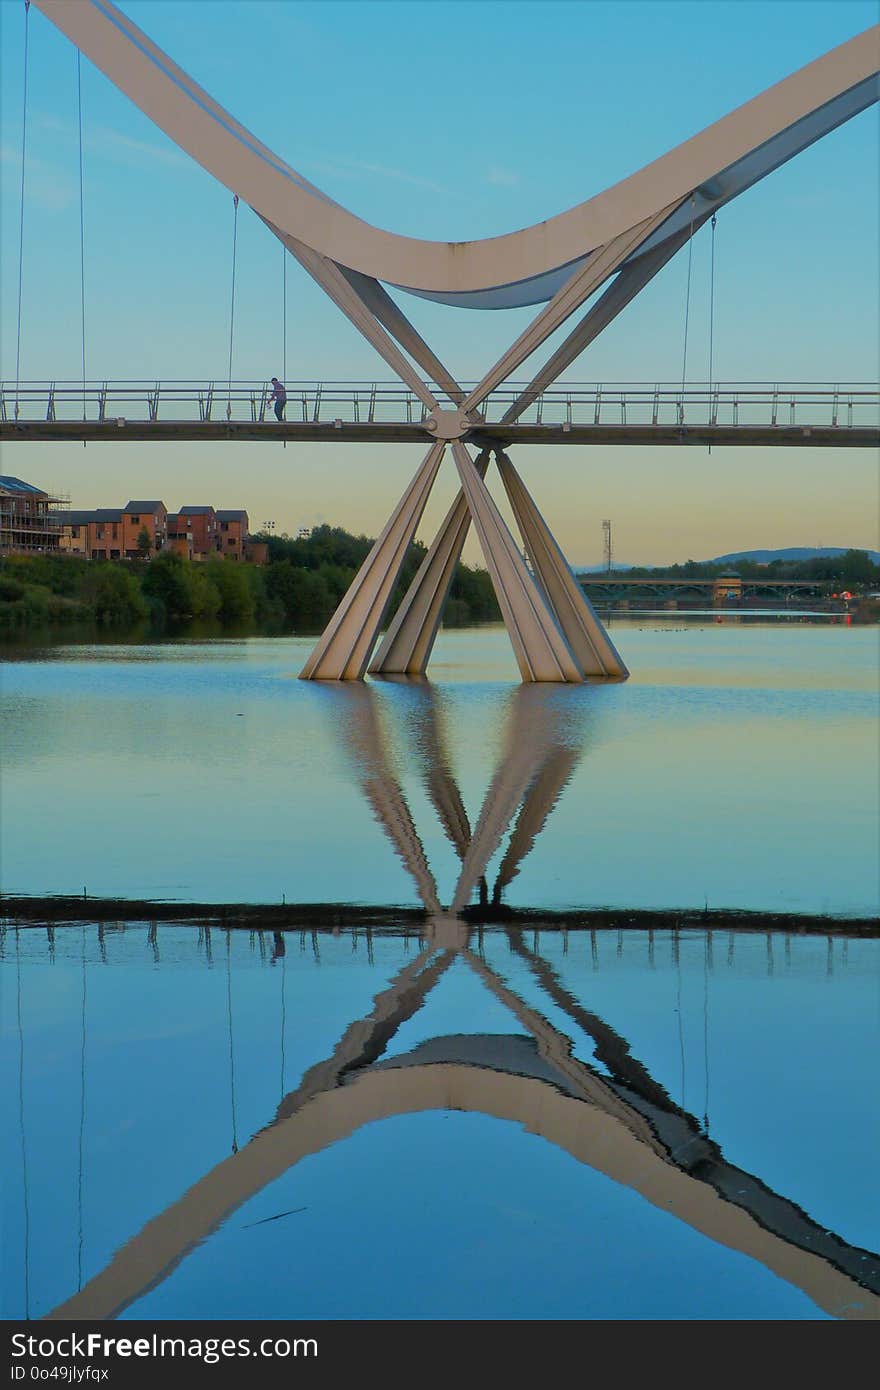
(724,413)
(612,588)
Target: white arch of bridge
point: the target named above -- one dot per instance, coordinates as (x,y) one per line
(624,235)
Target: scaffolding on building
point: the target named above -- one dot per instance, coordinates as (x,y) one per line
(30,518)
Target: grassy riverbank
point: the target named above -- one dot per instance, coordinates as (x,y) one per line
(297,591)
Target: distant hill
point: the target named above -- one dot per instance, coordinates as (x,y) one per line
(759,557)
(798,552)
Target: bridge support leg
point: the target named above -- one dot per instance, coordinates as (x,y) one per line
(345,647)
(590,644)
(541,650)
(407,645)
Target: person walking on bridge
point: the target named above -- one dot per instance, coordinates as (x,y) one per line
(279,396)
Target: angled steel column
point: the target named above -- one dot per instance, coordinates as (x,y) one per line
(344,295)
(624,287)
(583,282)
(541,650)
(391,316)
(590,644)
(407,645)
(344,648)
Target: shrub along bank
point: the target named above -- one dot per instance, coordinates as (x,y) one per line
(297,591)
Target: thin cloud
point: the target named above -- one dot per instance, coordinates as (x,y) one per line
(123,149)
(504,178)
(357,168)
(45,185)
(108,142)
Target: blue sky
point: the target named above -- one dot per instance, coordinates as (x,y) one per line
(446,120)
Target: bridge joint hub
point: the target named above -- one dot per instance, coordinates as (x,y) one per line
(452,424)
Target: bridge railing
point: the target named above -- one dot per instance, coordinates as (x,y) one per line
(662,404)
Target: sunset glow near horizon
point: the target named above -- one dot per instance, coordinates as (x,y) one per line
(445,120)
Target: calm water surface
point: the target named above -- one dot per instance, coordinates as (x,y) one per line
(737,767)
(452,1122)
(511,1125)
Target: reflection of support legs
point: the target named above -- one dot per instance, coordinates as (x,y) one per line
(537,804)
(363,734)
(407,645)
(586,636)
(345,647)
(542,652)
(440,783)
(528,744)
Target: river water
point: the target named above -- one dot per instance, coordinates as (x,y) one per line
(737,767)
(452,1113)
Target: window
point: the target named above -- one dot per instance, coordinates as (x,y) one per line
(134,520)
(74,531)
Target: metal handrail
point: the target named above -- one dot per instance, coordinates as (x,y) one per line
(840,405)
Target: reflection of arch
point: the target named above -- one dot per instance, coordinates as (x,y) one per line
(633,1137)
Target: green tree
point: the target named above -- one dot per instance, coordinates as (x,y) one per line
(236,596)
(307,601)
(180,588)
(143,543)
(114,595)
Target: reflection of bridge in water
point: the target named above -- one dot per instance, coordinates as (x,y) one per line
(610,1114)
(544,738)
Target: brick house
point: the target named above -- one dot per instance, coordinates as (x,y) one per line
(76,532)
(233,534)
(138,516)
(195,531)
(105,534)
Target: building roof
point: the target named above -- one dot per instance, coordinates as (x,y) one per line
(107,514)
(195,511)
(232,516)
(73,518)
(9,484)
(149,507)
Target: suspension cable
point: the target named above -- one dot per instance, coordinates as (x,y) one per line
(687,304)
(284,313)
(232,305)
(712,323)
(82,238)
(712,309)
(27,11)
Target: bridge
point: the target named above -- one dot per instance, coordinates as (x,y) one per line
(597,258)
(737,413)
(612,588)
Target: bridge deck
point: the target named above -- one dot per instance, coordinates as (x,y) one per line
(352,432)
(370,412)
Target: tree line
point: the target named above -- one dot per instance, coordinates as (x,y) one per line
(854,569)
(298,590)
